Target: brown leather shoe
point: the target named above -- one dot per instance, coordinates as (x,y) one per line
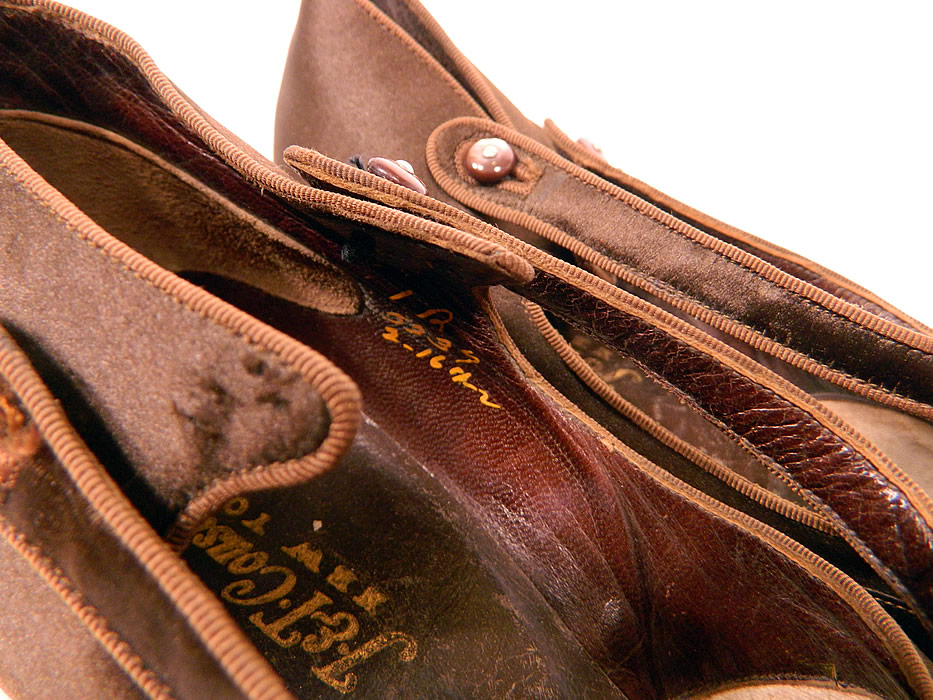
(865,362)
(470,531)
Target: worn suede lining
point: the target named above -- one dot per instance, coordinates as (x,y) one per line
(193,404)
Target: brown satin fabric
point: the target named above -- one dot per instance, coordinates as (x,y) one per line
(31,606)
(783,259)
(182,397)
(356,46)
(319,88)
(666,259)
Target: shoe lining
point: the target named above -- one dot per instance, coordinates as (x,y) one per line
(171,218)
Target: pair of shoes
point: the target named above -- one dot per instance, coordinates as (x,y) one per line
(263,437)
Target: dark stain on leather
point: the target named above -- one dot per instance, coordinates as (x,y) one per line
(19,439)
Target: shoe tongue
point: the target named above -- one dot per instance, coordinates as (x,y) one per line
(368,81)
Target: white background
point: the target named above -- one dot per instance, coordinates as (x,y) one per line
(804,122)
(807,123)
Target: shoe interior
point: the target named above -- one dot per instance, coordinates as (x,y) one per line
(379,561)
(372,579)
(386,567)
(173,219)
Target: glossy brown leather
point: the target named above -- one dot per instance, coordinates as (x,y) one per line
(879,515)
(659,584)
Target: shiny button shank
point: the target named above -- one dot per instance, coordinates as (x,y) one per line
(398,171)
(489,160)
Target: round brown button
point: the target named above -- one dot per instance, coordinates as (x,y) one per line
(489,160)
(398,171)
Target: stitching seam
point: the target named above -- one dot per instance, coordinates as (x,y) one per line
(726,258)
